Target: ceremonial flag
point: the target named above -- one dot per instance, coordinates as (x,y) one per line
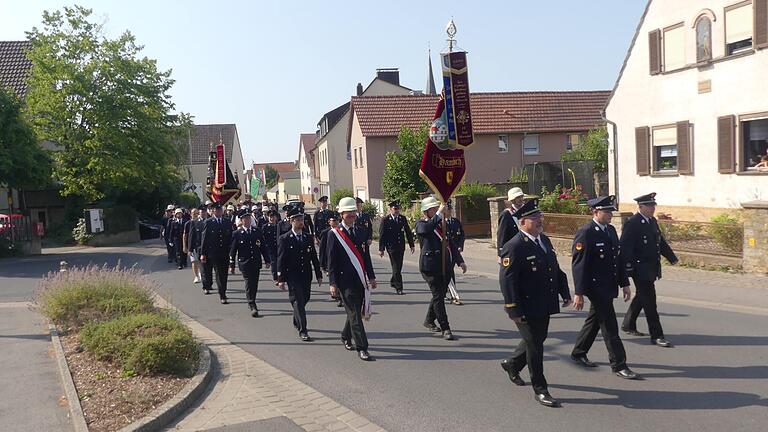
(442,166)
(456,93)
(224,186)
(255,184)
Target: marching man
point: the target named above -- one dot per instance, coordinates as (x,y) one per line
(247,250)
(391,231)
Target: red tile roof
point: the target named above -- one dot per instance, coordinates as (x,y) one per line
(202,137)
(492,112)
(14,66)
(280,167)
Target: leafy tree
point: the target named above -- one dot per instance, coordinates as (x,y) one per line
(401,180)
(23,163)
(107,107)
(270,174)
(594,148)
(340,193)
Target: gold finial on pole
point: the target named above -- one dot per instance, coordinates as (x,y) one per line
(451,30)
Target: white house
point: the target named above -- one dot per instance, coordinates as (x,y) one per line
(688,116)
(307,167)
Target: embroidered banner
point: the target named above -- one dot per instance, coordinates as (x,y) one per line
(442,167)
(456,91)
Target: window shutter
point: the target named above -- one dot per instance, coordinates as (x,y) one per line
(642,150)
(726,144)
(684,159)
(654,51)
(760,8)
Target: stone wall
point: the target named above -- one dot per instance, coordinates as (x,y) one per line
(496,205)
(755,217)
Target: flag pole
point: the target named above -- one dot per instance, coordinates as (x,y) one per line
(450,29)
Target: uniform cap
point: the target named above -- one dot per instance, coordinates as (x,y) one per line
(514,193)
(358,200)
(530,208)
(230,207)
(347,204)
(272,213)
(333,215)
(170,207)
(395,204)
(216,205)
(178,210)
(428,203)
(603,203)
(295,212)
(323,198)
(647,199)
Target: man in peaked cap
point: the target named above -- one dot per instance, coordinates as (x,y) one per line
(531,280)
(175,235)
(165,234)
(598,272)
(247,249)
(214,251)
(333,222)
(393,228)
(642,245)
(363,220)
(507,222)
(269,230)
(321,218)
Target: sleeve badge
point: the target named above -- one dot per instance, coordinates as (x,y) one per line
(505,262)
(579,246)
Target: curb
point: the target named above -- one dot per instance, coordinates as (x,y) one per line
(170,410)
(75,409)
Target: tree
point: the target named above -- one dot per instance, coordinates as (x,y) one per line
(107,108)
(270,175)
(340,193)
(594,148)
(401,180)
(23,163)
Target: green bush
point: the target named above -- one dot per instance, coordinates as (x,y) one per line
(476,203)
(188,200)
(371,209)
(563,200)
(680,231)
(120,218)
(338,194)
(727,232)
(147,343)
(80,232)
(93,294)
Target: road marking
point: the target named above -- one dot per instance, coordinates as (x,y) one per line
(18,304)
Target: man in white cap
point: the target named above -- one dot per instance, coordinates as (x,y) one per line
(350,273)
(507,222)
(175,236)
(435,264)
(167,216)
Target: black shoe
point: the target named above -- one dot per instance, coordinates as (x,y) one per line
(432,327)
(364,356)
(448,335)
(514,375)
(632,332)
(547,400)
(661,342)
(347,345)
(206,291)
(304,337)
(627,373)
(180,267)
(224,300)
(583,360)
(254,310)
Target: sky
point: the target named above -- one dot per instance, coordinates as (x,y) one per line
(275,67)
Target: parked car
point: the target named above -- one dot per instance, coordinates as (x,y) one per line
(149,230)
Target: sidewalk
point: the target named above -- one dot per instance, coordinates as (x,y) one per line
(31,397)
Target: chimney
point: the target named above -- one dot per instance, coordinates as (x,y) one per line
(390,75)
(359,89)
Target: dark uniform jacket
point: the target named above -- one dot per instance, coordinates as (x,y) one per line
(248,247)
(295,258)
(175,231)
(309,227)
(431,248)
(507,229)
(364,221)
(341,271)
(323,252)
(284,226)
(164,223)
(598,266)
(194,231)
(455,232)
(269,232)
(391,232)
(642,246)
(216,238)
(321,222)
(530,278)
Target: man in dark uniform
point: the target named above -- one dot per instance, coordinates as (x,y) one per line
(248,248)
(391,231)
(507,222)
(296,256)
(214,250)
(175,234)
(598,272)
(333,222)
(531,279)
(166,234)
(309,227)
(321,218)
(350,272)
(284,225)
(435,267)
(642,246)
(457,236)
(193,230)
(364,221)
(269,231)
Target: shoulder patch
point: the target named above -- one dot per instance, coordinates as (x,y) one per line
(505,262)
(579,246)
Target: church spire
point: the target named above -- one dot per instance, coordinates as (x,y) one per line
(430,89)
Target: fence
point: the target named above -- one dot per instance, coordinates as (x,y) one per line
(704,237)
(14,230)
(564,173)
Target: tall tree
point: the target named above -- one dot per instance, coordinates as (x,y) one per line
(270,175)
(593,148)
(107,107)
(401,180)
(23,163)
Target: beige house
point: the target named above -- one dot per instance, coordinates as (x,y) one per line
(690,108)
(331,154)
(306,166)
(202,139)
(512,129)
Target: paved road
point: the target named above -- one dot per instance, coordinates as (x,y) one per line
(715,379)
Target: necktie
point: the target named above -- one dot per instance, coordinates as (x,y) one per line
(538,243)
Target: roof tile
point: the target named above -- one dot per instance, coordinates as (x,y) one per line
(14,66)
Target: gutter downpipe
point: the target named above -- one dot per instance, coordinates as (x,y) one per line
(615,155)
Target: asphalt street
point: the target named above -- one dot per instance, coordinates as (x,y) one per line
(716,378)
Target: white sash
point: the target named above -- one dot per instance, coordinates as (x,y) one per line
(358,265)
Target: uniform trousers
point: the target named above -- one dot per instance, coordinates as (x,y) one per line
(438,285)
(171,251)
(299,289)
(353,327)
(251,277)
(273,267)
(530,350)
(645,299)
(221,267)
(602,317)
(179,255)
(396,261)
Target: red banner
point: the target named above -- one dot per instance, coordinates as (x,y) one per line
(443,168)
(221,175)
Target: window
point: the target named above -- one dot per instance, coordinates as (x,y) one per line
(664,149)
(531,145)
(355,158)
(738,28)
(573,141)
(503,143)
(361,157)
(754,141)
(703,39)
(674,47)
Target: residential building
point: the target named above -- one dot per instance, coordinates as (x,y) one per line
(306,167)
(288,186)
(331,154)
(511,129)
(202,139)
(279,167)
(690,108)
